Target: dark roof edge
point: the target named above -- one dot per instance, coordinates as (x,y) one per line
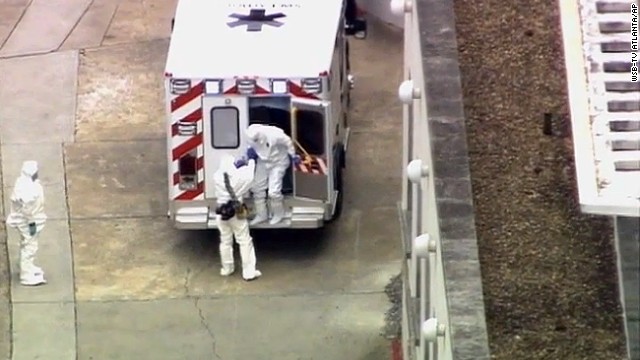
(443,92)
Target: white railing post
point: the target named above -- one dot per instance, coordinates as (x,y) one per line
(416,172)
(423,246)
(430,331)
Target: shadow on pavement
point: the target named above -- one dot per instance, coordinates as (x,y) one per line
(270,244)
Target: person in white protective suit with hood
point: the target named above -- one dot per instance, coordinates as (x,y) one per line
(273,151)
(28,217)
(232,182)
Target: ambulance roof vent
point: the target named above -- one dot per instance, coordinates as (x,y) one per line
(256,19)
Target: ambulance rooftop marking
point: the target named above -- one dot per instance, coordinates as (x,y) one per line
(256,19)
(263,38)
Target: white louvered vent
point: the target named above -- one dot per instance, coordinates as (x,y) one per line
(613,110)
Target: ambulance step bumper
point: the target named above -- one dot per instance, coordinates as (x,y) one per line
(192,217)
(200,217)
(298,218)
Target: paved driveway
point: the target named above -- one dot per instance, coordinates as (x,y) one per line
(81,92)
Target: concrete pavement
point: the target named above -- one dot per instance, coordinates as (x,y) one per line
(29,27)
(120,277)
(5,297)
(36,121)
(325,327)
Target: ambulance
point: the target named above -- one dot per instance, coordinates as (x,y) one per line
(281,63)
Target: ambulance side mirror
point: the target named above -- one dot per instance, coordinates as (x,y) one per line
(173,21)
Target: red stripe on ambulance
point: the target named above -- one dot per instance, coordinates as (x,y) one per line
(257,91)
(294,89)
(185,98)
(232,90)
(186,146)
(260,90)
(297,91)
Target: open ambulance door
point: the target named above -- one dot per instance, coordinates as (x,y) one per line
(225,118)
(312,179)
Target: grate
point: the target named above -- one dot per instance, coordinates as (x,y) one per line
(614,103)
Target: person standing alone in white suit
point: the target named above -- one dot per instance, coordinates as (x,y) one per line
(28,217)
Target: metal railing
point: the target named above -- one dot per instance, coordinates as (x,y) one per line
(443,309)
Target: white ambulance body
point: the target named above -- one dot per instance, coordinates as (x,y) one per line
(234,63)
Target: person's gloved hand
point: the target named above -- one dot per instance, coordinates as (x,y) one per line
(252,154)
(32,229)
(240,163)
(295,159)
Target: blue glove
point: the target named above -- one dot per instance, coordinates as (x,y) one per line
(32,229)
(252,154)
(240,163)
(295,159)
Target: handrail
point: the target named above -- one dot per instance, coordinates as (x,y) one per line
(443,309)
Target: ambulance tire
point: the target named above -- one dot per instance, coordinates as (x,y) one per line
(338,186)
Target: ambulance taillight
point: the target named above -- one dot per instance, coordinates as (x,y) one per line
(180,86)
(246,86)
(188,171)
(312,85)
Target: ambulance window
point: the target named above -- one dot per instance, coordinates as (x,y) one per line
(310,131)
(225,127)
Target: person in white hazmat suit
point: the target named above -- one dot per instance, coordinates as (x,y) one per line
(232,182)
(273,151)
(28,217)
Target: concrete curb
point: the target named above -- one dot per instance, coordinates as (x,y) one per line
(445,109)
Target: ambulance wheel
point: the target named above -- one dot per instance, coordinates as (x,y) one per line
(338,186)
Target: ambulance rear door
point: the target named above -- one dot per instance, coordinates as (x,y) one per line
(225,118)
(309,119)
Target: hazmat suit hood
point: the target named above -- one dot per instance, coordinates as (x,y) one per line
(256,133)
(257,136)
(27,187)
(27,198)
(270,143)
(240,179)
